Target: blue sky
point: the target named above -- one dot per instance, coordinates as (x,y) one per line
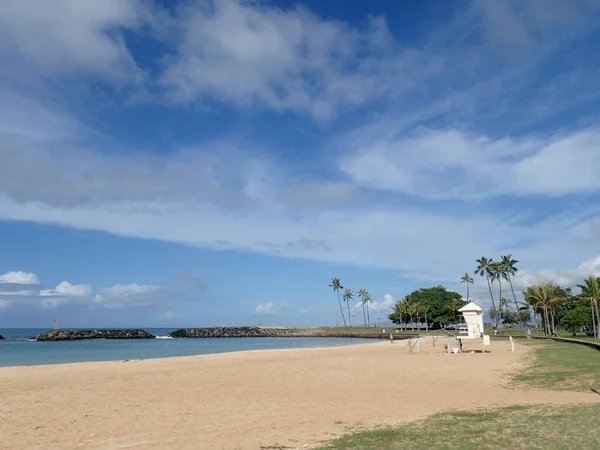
(217,162)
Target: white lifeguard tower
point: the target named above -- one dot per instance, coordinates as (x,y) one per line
(473,315)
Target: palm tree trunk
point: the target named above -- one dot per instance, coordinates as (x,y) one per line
(515,299)
(349,316)
(467,291)
(364,316)
(492,297)
(368,317)
(547,320)
(593,318)
(341,310)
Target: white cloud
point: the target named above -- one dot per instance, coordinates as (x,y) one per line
(131,295)
(19,278)
(265,309)
(452,164)
(66,289)
(246,53)
(168,315)
(70,37)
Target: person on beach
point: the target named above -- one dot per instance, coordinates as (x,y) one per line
(391,338)
(528,333)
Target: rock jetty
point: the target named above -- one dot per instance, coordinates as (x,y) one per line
(76,335)
(242,332)
(1,337)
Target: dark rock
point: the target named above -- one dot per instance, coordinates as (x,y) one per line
(241,332)
(76,335)
(1,337)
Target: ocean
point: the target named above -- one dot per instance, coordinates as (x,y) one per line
(18,348)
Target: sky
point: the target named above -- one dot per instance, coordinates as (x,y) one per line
(216,162)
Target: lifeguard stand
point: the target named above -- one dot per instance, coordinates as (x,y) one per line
(473,315)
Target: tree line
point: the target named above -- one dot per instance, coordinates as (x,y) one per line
(437,307)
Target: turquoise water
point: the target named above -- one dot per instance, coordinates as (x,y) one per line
(19,350)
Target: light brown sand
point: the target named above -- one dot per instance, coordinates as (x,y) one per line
(247,400)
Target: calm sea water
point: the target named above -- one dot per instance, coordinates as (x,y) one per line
(19,350)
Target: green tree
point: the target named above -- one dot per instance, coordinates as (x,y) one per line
(336,286)
(441,309)
(484,269)
(467,279)
(575,313)
(348,295)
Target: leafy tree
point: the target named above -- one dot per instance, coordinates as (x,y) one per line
(484,269)
(575,314)
(436,303)
(467,279)
(336,286)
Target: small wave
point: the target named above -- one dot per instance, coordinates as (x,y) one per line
(163,337)
(22,339)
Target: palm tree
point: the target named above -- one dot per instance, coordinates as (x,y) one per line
(336,286)
(426,309)
(399,310)
(484,269)
(510,270)
(348,295)
(544,296)
(411,310)
(362,293)
(497,274)
(466,278)
(591,290)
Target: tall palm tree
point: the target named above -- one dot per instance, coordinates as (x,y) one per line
(510,269)
(498,274)
(348,296)
(426,309)
(591,290)
(466,278)
(366,300)
(362,293)
(399,309)
(484,269)
(336,286)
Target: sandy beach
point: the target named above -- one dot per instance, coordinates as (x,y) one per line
(249,400)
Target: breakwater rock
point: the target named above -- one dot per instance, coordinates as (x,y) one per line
(76,335)
(1,337)
(241,332)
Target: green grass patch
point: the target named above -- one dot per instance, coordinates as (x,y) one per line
(531,427)
(561,366)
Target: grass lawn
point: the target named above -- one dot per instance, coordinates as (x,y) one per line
(531,427)
(557,366)
(560,366)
